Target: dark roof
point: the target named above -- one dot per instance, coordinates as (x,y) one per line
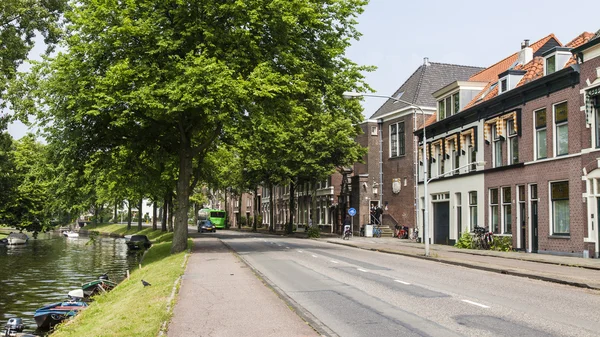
(427,79)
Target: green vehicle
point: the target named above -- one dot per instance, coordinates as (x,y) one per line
(216,216)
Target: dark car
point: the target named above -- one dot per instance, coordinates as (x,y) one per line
(137,242)
(206,226)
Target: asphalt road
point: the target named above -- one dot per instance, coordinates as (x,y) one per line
(345,291)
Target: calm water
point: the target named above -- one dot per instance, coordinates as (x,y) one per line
(45,269)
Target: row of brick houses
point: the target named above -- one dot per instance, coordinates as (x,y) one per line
(533,118)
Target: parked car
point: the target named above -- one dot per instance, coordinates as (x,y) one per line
(206,226)
(137,241)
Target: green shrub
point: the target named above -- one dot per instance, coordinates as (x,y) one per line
(465,241)
(314,232)
(502,243)
(243,221)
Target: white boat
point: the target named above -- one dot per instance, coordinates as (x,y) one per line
(17,238)
(70,234)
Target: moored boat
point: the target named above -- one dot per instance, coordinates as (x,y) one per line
(101,285)
(50,315)
(137,241)
(17,238)
(70,234)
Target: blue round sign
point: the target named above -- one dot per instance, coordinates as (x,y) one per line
(352,212)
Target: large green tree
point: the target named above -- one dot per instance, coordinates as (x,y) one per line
(183,74)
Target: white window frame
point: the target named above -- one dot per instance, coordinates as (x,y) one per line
(551,209)
(450,98)
(491,213)
(399,138)
(535,134)
(503,212)
(512,137)
(496,148)
(473,210)
(556,126)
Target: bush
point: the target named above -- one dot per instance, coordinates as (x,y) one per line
(502,243)
(465,241)
(314,232)
(243,221)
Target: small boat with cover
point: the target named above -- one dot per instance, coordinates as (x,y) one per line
(52,314)
(101,285)
(17,238)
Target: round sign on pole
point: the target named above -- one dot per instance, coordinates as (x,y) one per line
(352,212)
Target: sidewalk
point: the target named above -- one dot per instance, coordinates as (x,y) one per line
(568,270)
(221,297)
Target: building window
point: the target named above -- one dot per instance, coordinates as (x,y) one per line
(456,99)
(456,161)
(506,210)
(497,147)
(540,134)
(472,158)
(503,86)
(397,140)
(458,213)
(473,209)
(513,142)
(494,210)
(562,128)
(449,106)
(440,159)
(441,110)
(560,208)
(373,131)
(550,64)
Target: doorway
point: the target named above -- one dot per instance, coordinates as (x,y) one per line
(441,223)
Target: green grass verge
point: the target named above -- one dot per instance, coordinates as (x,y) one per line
(131,309)
(2,236)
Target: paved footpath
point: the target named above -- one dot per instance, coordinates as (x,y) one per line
(220,296)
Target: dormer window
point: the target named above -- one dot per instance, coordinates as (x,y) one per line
(509,79)
(555,59)
(448,106)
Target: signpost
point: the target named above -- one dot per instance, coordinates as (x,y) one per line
(352,213)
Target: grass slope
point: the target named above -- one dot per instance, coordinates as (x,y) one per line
(131,309)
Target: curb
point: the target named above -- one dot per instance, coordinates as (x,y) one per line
(475,266)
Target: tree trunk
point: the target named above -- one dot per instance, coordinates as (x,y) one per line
(255,210)
(312,215)
(164,211)
(140,207)
(170,214)
(154,227)
(195,214)
(226,208)
(101,211)
(180,233)
(95,219)
(128,214)
(116,211)
(290,226)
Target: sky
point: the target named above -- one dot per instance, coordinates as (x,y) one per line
(398,34)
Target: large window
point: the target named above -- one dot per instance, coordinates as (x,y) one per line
(448,106)
(497,147)
(550,64)
(494,210)
(562,128)
(513,142)
(456,100)
(397,140)
(560,208)
(506,210)
(440,160)
(456,160)
(441,109)
(540,134)
(473,209)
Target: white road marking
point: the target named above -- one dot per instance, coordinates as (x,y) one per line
(287,247)
(334,261)
(364,271)
(402,282)
(314,255)
(299,251)
(475,303)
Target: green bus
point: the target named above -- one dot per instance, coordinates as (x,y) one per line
(216,216)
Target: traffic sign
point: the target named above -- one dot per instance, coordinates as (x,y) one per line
(352,212)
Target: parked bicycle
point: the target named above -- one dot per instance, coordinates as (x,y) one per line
(482,238)
(376,232)
(415,235)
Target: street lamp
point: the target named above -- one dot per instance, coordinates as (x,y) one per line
(351,95)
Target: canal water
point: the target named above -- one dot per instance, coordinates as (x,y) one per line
(45,269)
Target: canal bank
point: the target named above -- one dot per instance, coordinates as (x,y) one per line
(132,308)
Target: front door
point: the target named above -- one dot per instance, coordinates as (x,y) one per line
(534,226)
(523,226)
(441,223)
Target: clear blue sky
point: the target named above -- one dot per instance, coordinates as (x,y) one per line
(398,34)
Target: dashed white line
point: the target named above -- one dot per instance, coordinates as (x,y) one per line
(364,271)
(475,303)
(314,255)
(333,261)
(402,282)
(299,251)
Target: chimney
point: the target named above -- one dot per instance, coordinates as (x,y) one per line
(426,61)
(526,53)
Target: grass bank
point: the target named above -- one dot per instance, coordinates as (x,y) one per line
(131,309)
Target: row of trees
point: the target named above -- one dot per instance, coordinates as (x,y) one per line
(155,98)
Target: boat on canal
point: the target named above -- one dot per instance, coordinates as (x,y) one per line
(137,241)
(70,234)
(101,285)
(17,238)
(48,316)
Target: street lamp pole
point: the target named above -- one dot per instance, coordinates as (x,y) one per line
(350,95)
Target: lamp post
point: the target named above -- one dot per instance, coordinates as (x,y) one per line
(351,95)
